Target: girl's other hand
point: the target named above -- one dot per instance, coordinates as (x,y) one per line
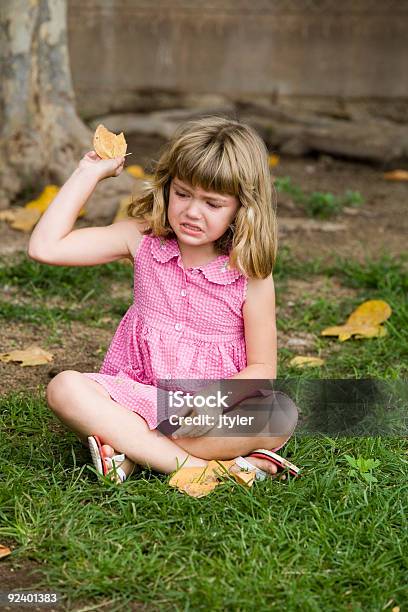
(101,168)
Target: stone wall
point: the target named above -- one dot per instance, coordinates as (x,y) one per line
(136,55)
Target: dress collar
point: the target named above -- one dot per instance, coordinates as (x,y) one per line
(216,271)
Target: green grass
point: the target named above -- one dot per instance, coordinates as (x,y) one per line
(66,281)
(327,541)
(318,204)
(335,539)
(84,292)
(385,278)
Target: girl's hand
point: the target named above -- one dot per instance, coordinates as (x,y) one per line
(208,419)
(101,168)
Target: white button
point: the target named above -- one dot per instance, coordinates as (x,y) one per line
(168,376)
(183,292)
(178,326)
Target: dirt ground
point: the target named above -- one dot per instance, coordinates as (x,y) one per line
(379,225)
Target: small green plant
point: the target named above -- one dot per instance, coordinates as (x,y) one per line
(285,185)
(323,205)
(318,204)
(352,198)
(362,468)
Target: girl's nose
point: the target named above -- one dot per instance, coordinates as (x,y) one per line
(194,207)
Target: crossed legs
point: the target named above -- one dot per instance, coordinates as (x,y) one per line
(86,408)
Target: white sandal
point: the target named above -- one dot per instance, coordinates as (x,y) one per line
(274,458)
(106,465)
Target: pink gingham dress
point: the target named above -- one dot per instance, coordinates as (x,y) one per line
(183,324)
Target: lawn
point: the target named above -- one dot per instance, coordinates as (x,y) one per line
(334,539)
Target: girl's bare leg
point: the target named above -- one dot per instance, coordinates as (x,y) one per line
(78,402)
(86,408)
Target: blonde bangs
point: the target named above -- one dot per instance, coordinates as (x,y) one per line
(206,166)
(228,157)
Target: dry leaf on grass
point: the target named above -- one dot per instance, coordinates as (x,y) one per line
(396,175)
(364,322)
(7,215)
(20,218)
(273,160)
(44,199)
(310,362)
(200,481)
(107,144)
(31,356)
(138,172)
(25,218)
(245,477)
(4,551)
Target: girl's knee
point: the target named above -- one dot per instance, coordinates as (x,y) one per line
(60,386)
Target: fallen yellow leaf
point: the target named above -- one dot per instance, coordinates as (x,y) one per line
(44,199)
(196,481)
(31,356)
(7,215)
(136,171)
(372,312)
(4,551)
(244,477)
(310,362)
(24,220)
(107,144)
(200,481)
(364,322)
(273,160)
(396,175)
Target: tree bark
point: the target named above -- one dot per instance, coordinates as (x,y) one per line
(41,136)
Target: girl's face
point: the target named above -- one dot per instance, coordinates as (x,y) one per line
(210,212)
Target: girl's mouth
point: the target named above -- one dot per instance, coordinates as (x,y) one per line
(190,228)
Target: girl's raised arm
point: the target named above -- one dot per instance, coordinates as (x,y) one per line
(53,240)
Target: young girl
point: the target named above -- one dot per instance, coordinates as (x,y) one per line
(203,239)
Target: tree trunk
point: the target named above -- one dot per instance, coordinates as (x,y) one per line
(41,137)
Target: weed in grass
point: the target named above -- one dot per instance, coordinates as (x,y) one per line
(363,468)
(318,204)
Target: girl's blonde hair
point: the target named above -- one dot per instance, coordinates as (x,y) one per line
(223,155)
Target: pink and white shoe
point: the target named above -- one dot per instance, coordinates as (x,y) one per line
(104,465)
(262,453)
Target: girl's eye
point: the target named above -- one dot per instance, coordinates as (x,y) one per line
(183,195)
